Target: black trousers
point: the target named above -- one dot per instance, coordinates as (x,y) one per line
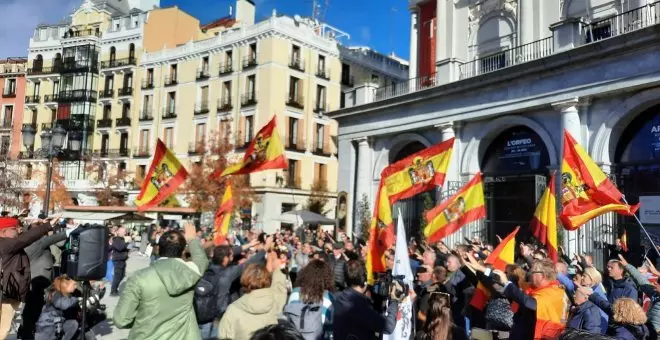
(119,273)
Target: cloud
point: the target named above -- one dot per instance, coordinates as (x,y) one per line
(20,17)
(365,34)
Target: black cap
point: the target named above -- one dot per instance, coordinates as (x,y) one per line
(338,245)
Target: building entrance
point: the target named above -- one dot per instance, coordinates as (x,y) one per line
(515,167)
(637,171)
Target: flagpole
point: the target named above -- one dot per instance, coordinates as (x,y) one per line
(623,197)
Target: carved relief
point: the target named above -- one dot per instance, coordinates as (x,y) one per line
(480,8)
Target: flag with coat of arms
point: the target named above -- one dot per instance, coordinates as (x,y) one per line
(404,320)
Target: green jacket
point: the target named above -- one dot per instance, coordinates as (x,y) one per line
(157,301)
(255,310)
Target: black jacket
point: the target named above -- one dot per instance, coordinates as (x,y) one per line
(226,276)
(355,317)
(119,251)
(338,266)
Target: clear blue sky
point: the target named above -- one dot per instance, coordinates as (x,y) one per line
(380,24)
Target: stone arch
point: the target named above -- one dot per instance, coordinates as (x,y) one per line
(616,122)
(474,152)
(506,15)
(570,8)
(392,147)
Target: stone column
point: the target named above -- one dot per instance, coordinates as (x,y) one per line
(364,166)
(346,176)
(570,121)
(414,38)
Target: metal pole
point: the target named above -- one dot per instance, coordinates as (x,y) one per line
(49,179)
(642,226)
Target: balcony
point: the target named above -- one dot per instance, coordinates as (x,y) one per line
(32,100)
(323,73)
(249,99)
(104,123)
(125,91)
(293,182)
(71,65)
(42,71)
(321,107)
(146,115)
(32,125)
(169,113)
(51,98)
(142,152)
(196,148)
(170,81)
(107,93)
(81,34)
(5,124)
(123,122)
(324,149)
(249,62)
(101,153)
(147,84)
(9,93)
(297,63)
(117,63)
(224,104)
(77,96)
(76,123)
(202,108)
(203,73)
(225,69)
(348,81)
(295,100)
(295,144)
(242,141)
(121,152)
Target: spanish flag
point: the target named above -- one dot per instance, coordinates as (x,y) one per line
(465,206)
(381,235)
(265,152)
(544,223)
(501,256)
(223,216)
(419,172)
(624,241)
(165,175)
(586,192)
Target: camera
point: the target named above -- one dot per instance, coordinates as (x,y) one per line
(384,284)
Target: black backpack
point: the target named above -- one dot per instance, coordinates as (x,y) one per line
(206,300)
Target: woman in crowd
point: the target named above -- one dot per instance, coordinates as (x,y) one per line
(439,324)
(313,287)
(264,289)
(58,301)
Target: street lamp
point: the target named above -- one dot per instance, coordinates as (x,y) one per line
(51,143)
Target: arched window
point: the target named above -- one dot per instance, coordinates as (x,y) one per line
(38,62)
(640,141)
(131,51)
(113,53)
(516,150)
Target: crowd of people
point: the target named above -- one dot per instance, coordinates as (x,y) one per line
(310,285)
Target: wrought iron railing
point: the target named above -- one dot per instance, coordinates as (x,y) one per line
(409,86)
(625,22)
(118,63)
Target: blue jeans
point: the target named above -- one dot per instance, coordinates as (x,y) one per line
(208,331)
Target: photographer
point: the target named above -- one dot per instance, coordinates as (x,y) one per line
(355,317)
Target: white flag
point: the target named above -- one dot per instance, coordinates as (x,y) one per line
(404,323)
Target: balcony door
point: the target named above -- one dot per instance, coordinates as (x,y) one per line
(144,141)
(105,142)
(8,116)
(293,131)
(123,142)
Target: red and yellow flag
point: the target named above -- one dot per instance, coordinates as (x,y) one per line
(501,256)
(544,223)
(381,235)
(465,206)
(624,241)
(223,217)
(265,152)
(419,172)
(586,192)
(165,175)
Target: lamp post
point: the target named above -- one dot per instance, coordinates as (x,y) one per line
(51,143)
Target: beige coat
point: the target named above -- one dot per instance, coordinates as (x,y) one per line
(254,310)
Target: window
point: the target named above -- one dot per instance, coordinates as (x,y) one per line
(249,127)
(37,88)
(10,87)
(251,85)
(292,174)
(126,110)
(140,171)
(107,110)
(295,53)
(105,141)
(320,136)
(123,141)
(321,65)
(375,79)
(144,141)
(128,80)
(205,64)
(226,92)
(293,131)
(113,54)
(56,87)
(8,115)
(204,95)
(38,63)
(320,174)
(320,97)
(28,172)
(131,51)
(34,117)
(252,51)
(4,144)
(200,133)
(146,104)
(53,115)
(150,76)
(229,58)
(171,102)
(168,137)
(109,83)
(294,90)
(173,69)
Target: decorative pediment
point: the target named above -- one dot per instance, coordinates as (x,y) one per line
(481,8)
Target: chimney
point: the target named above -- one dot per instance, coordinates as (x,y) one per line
(245,12)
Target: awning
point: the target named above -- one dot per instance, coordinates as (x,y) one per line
(308,217)
(100,217)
